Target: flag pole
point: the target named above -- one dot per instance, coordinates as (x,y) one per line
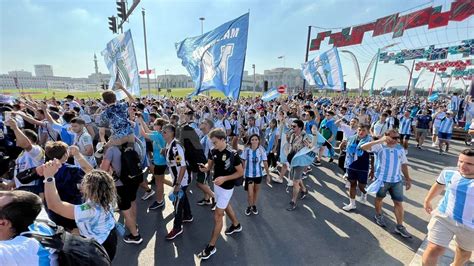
(307,53)
(146,55)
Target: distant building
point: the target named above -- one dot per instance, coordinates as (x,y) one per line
(43,71)
(284,76)
(20,74)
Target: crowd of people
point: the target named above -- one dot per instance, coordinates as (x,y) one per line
(76,160)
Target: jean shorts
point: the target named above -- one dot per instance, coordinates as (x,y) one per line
(395,190)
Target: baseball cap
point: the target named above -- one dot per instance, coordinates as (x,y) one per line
(99,150)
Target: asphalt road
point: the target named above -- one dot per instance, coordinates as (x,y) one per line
(318,232)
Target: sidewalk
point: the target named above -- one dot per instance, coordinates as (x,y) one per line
(446,259)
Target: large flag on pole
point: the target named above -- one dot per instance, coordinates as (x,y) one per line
(324,71)
(216,59)
(119,56)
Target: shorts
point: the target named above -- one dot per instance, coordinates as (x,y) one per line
(149,146)
(356,175)
(395,190)
(223,196)
(435,130)
(442,229)
(126,195)
(405,136)
(446,136)
(422,132)
(159,169)
(297,172)
(252,180)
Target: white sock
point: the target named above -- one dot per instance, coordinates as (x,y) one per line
(353,202)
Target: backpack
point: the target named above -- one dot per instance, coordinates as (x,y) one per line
(131,172)
(193,150)
(72,249)
(240,180)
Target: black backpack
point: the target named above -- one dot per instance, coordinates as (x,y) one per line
(131,172)
(193,150)
(72,249)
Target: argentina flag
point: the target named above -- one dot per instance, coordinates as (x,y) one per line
(324,71)
(119,56)
(216,59)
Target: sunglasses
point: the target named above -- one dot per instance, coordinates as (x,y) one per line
(395,137)
(293,126)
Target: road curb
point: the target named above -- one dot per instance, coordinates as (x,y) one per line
(446,259)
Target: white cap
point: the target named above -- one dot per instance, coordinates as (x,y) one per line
(99,147)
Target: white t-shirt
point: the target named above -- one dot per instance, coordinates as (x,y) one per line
(93,221)
(82,141)
(437,119)
(27,160)
(347,131)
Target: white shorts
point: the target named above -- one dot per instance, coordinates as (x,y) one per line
(435,130)
(442,229)
(222,196)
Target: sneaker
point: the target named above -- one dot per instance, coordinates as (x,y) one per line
(331,160)
(277,180)
(207,252)
(290,183)
(130,239)
(188,220)
(380,220)
(349,207)
(433,144)
(401,230)
(303,194)
(440,152)
(275,171)
(305,175)
(348,184)
(174,233)
(248,211)
(292,206)
(156,205)
(204,202)
(254,210)
(317,163)
(362,198)
(148,194)
(233,229)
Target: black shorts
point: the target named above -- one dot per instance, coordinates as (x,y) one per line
(252,180)
(359,176)
(159,169)
(405,136)
(339,136)
(126,195)
(149,146)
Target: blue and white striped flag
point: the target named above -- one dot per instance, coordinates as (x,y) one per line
(271,95)
(119,56)
(324,71)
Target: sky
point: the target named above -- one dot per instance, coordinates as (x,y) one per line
(66,34)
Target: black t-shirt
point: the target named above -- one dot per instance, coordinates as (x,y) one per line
(224,164)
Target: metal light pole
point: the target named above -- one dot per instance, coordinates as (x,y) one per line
(146,54)
(307,53)
(202,32)
(254,83)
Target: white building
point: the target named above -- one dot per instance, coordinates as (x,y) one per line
(43,71)
(20,73)
(284,76)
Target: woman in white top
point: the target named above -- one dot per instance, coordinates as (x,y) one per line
(94,218)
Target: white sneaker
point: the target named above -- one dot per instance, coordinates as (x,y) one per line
(148,194)
(362,199)
(290,183)
(348,184)
(277,180)
(433,144)
(349,207)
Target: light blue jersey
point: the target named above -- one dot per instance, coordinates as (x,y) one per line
(253,161)
(93,221)
(458,200)
(446,125)
(405,126)
(388,162)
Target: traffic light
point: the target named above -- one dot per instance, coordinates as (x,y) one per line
(121,11)
(113,24)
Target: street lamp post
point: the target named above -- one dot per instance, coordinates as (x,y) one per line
(254,83)
(166,78)
(202,32)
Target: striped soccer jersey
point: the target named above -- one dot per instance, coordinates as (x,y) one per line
(446,125)
(405,126)
(175,161)
(253,161)
(388,162)
(458,200)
